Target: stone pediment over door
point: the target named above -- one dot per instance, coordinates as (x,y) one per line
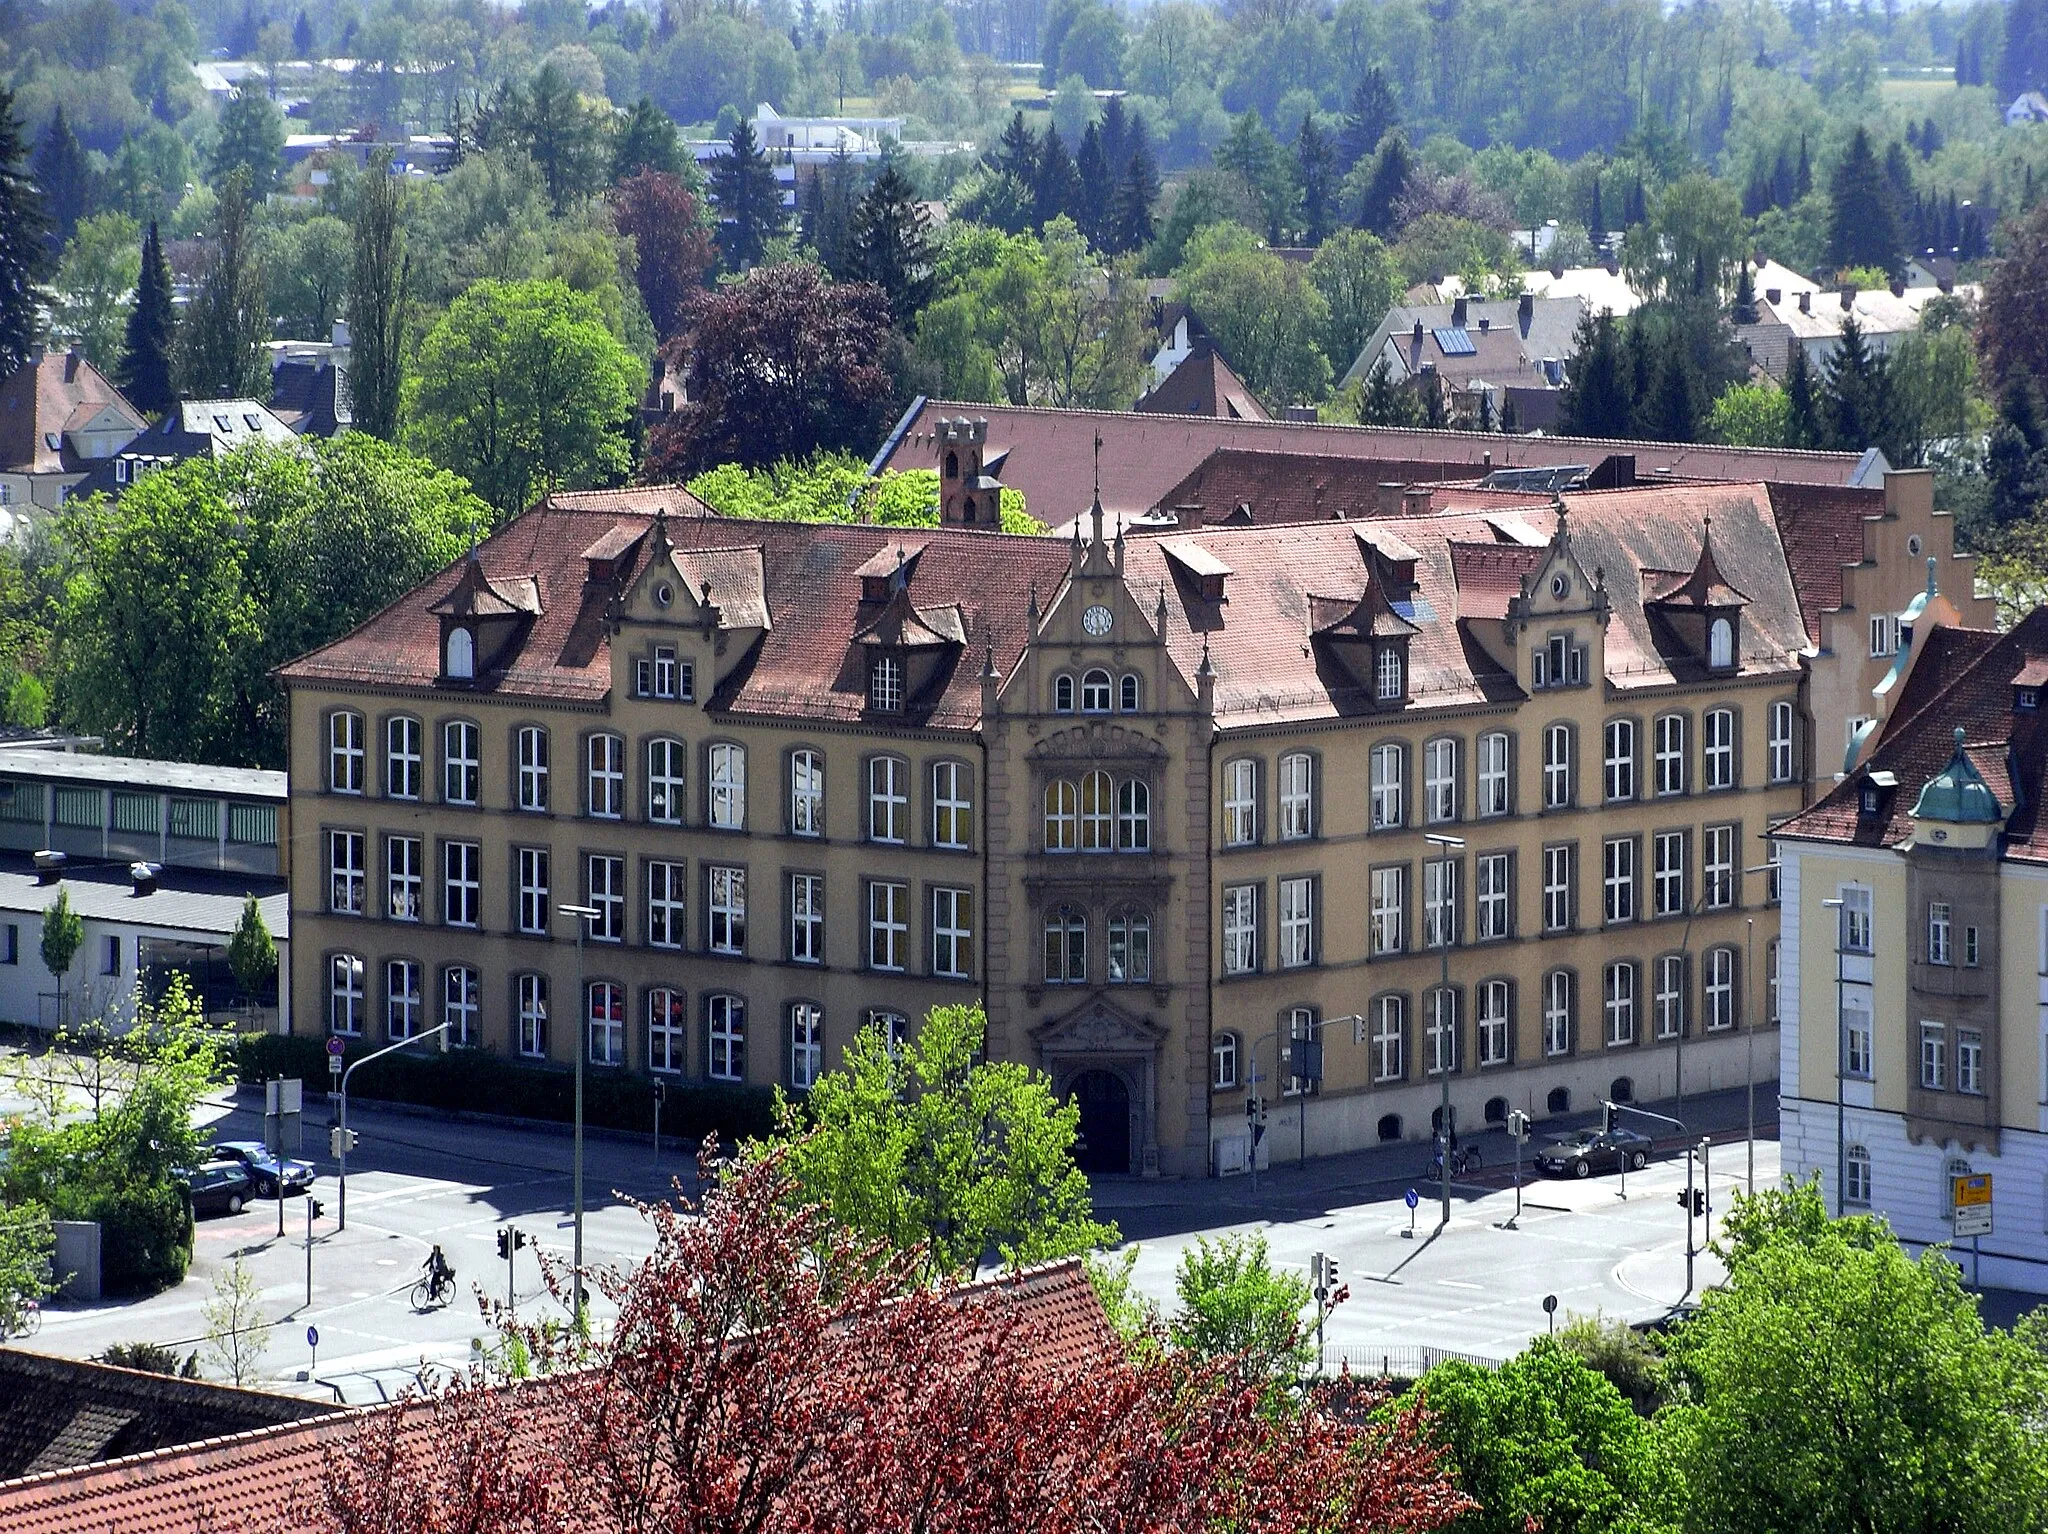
(1097,741)
(1098,1026)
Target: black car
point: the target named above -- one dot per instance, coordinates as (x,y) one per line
(1587,1151)
(219,1187)
(264,1169)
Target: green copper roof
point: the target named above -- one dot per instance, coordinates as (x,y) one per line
(1958,794)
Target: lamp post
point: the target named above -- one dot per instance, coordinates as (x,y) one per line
(341,1140)
(1770,870)
(1447,1050)
(1841,1063)
(584,915)
(1685,997)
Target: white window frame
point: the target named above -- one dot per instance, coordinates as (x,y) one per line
(1440,780)
(668,1030)
(461,883)
(1557,767)
(953,933)
(1557,888)
(1387,670)
(605,761)
(1098,812)
(1389,1038)
(1297,922)
(404,998)
(1440,1034)
(404,757)
(1240,929)
(888,926)
(664,671)
(1492,1022)
(405,878)
(1717,989)
(725,781)
(1618,991)
(1668,754)
(1667,873)
(1933,1057)
(345,999)
(1297,796)
(1858,1185)
(604,876)
(1389,774)
(604,1022)
(1389,886)
(1857,1037)
(667,903)
(725,909)
(1440,902)
(667,780)
(461,764)
(888,800)
(1066,946)
(1493,909)
(725,1036)
(1853,924)
(1130,947)
(1721,643)
(806,793)
(1970,1061)
(885,685)
(1134,815)
(952,805)
(1717,749)
(530,1005)
(1717,867)
(1618,880)
(347,877)
(1940,932)
(1495,756)
(1062,821)
(1667,995)
(806,1044)
(1618,761)
(1097,691)
(345,752)
(535,873)
(532,747)
(1223,1054)
(1884,634)
(1241,802)
(807,918)
(1558,986)
(461,1002)
(1781,748)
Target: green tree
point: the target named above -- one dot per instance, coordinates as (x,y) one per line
(556,128)
(1751,415)
(221,340)
(1378,399)
(1837,1383)
(64,177)
(27,1246)
(378,270)
(1235,1305)
(1384,178)
(236,1333)
(23,255)
(1545,1441)
(248,138)
(928,1145)
(95,277)
(646,139)
(252,952)
(308,267)
(890,245)
(1255,158)
(144,371)
(1695,238)
(1803,424)
(1858,406)
(1315,172)
(1263,311)
(1863,225)
(521,389)
(2015,311)
(1130,207)
(1373,111)
(1360,281)
(1598,398)
(63,934)
(749,202)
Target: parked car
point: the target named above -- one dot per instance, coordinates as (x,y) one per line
(219,1187)
(1587,1151)
(264,1169)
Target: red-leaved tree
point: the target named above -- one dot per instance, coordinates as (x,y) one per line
(769,1373)
(672,248)
(781,364)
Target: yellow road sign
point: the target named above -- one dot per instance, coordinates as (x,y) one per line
(1972,1190)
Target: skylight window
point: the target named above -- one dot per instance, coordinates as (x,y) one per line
(1453,341)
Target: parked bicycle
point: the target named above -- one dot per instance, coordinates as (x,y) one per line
(21,1318)
(1462,1162)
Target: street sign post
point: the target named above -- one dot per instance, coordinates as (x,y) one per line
(1411,1198)
(1971,1196)
(313,1342)
(283,1132)
(1550,1310)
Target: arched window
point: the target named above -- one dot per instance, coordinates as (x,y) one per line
(1387,807)
(459,1003)
(1620,987)
(1390,1127)
(1386,674)
(1557,766)
(1133,816)
(460,769)
(404,754)
(1717,977)
(1557,1013)
(727,787)
(806,1043)
(1223,1056)
(605,779)
(605,1015)
(461,664)
(1130,948)
(1098,813)
(668,1030)
(952,465)
(1717,748)
(1721,644)
(1856,1185)
(1095,692)
(1559,1101)
(1062,820)
(1063,695)
(726,1038)
(345,751)
(1066,946)
(402,999)
(665,760)
(1127,693)
(531,992)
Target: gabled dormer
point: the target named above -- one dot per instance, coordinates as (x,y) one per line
(904,649)
(1556,618)
(1368,634)
(483,620)
(1699,609)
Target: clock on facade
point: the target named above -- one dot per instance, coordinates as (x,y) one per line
(1096,620)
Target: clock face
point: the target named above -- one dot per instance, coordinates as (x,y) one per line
(1096,620)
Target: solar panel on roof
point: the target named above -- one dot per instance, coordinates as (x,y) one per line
(1454,342)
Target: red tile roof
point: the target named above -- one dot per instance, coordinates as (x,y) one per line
(1822,529)
(245,1482)
(59,392)
(1317,487)
(1204,384)
(1051,453)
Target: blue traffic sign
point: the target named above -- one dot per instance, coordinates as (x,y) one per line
(312,1336)
(1410,1198)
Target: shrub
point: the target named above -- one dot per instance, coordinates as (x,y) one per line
(145,1234)
(152,1358)
(1628,1359)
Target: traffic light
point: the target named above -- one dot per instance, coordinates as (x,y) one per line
(1694,1199)
(660,1092)
(1323,1276)
(340,1141)
(505,1245)
(1518,1124)
(314,1209)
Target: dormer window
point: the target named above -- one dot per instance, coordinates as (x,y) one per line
(1870,798)
(1721,644)
(885,685)
(2026,699)
(1560,663)
(1095,692)
(665,671)
(460,659)
(1388,675)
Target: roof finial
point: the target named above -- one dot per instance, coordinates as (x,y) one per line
(1930,575)
(1098,468)
(1208,666)
(988,660)
(1162,609)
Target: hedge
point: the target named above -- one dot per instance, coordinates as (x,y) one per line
(477,1080)
(145,1234)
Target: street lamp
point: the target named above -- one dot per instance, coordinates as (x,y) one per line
(341,1141)
(1770,869)
(584,915)
(1685,979)
(1841,1063)
(1447,933)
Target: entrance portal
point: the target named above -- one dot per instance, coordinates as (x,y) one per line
(1105,1104)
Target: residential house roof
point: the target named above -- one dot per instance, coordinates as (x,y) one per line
(1313,487)
(1822,530)
(190,429)
(1501,342)
(1202,383)
(48,399)
(311,396)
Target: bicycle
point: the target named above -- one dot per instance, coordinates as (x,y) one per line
(1462,1162)
(432,1289)
(24,1319)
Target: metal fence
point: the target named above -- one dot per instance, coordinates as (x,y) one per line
(1397,1360)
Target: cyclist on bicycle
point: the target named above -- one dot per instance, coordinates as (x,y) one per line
(439,1274)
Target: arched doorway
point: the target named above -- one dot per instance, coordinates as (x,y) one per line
(1105,1104)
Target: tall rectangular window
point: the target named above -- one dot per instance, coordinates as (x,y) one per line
(1717,970)
(953,933)
(530,994)
(725,1038)
(403,1001)
(1441,1007)
(665,671)
(1619,762)
(1240,929)
(1440,903)
(1240,802)
(1620,1003)
(1389,1038)
(1856,1035)
(807,918)
(806,793)
(460,881)
(1669,745)
(1719,748)
(1297,796)
(604,1015)
(345,751)
(1667,873)
(459,1004)
(888,925)
(806,1044)
(1557,888)
(1618,879)
(1771,1015)
(1389,896)
(1557,1012)
(888,799)
(1557,767)
(345,994)
(952,806)
(533,768)
(665,763)
(345,876)
(606,879)
(533,890)
(1938,928)
(460,767)
(1491,1017)
(1667,1000)
(1781,742)
(725,910)
(665,890)
(1493,905)
(404,751)
(1969,1061)
(607,787)
(1933,1057)
(1297,923)
(1440,781)
(1388,810)
(1855,918)
(404,878)
(726,779)
(668,1030)
(1493,773)
(1717,867)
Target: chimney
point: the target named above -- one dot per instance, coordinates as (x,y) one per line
(1416,501)
(1774,295)
(1946,284)
(1418,332)
(1806,303)
(1848,298)
(1898,287)
(49,866)
(1387,499)
(1525,311)
(143,877)
(1485,324)
(1458,311)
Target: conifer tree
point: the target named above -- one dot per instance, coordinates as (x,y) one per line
(1056,186)
(1097,184)
(646,140)
(302,37)
(1596,217)
(1372,114)
(1863,227)
(1016,152)
(23,256)
(144,373)
(1597,393)
(1802,179)
(1391,168)
(748,200)
(1803,426)
(376,303)
(1136,192)
(221,354)
(1859,396)
(891,245)
(64,177)
(1315,169)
